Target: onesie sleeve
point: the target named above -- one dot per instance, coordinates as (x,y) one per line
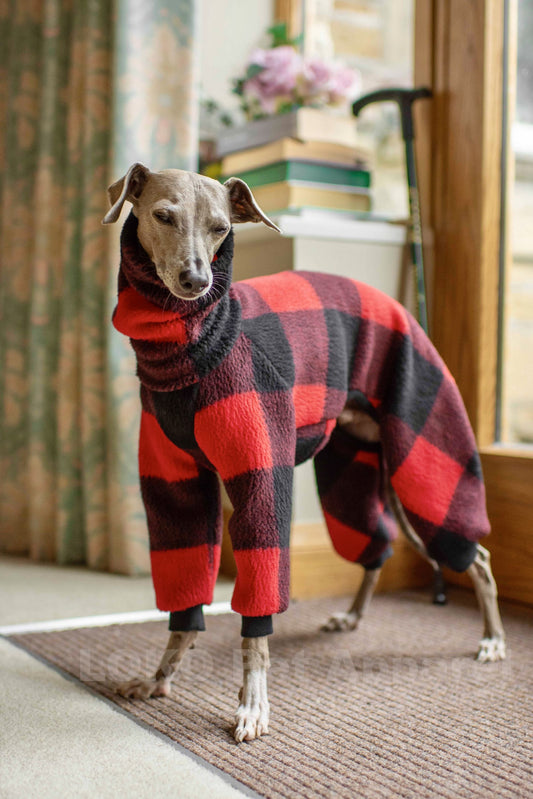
(250,437)
(183,510)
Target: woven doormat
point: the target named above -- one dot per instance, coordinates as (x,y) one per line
(397,709)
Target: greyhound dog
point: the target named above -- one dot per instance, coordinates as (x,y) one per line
(227,386)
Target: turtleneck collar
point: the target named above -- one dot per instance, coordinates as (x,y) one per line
(176,342)
(139,271)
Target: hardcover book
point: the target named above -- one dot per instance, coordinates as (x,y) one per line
(306,124)
(305,171)
(288,195)
(288,149)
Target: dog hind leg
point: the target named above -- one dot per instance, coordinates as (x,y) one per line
(351,460)
(342,622)
(160,683)
(492,645)
(251,719)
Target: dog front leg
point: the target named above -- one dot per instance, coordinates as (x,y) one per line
(492,646)
(160,683)
(251,719)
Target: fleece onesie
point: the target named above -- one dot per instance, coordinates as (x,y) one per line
(247,382)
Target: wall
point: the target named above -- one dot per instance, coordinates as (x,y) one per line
(229,30)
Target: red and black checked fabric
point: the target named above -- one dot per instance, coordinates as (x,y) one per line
(249,381)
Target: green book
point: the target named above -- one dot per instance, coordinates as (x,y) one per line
(311,171)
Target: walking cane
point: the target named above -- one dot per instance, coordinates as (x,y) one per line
(405,99)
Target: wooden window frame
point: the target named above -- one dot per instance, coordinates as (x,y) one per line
(459,49)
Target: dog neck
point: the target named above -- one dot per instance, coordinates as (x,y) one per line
(177,342)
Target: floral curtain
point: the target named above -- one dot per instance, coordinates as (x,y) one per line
(85,89)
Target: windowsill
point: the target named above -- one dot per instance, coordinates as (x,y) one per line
(509,450)
(325,226)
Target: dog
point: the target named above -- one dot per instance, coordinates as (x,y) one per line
(248,379)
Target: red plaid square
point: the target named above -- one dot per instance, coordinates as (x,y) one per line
(389,314)
(159,457)
(309,402)
(369,458)
(426,481)
(289,292)
(348,542)
(138,318)
(234,435)
(256,590)
(185,577)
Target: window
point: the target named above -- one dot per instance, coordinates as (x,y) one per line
(374,37)
(461,52)
(515,412)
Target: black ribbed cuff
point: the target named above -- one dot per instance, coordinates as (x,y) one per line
(378,563)
(256,626)
(184,621)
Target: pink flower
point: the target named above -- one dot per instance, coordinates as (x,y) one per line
(285,79)
(344,84)
(317,74)
(281,66)
(254,90)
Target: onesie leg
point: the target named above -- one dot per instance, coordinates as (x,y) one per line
(260,532)
(352,493)
(183,511)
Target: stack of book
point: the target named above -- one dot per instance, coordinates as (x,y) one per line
(306,167)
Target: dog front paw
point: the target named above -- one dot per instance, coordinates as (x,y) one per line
(491,650)
(251,721)
(341,622)
(143,688)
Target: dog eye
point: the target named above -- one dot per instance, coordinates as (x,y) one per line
(164,217)
(220,230)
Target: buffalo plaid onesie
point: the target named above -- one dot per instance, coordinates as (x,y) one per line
(248,381)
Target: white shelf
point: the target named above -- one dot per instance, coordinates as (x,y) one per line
(325,226)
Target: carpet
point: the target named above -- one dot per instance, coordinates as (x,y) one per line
(397,709)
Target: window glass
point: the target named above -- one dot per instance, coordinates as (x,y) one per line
(376,37)
(516,411)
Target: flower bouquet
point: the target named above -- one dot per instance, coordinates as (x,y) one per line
(286,94)
(280,79)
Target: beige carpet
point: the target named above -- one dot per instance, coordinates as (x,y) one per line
(397,709)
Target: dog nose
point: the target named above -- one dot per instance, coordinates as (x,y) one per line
(194,278)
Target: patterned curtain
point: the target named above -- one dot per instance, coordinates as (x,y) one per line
(86,88)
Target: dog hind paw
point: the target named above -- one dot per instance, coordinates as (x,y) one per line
(143,688)
(340,622)
(491,650)
(251,722)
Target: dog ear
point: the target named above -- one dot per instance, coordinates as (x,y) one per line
(127,188)
(243,205)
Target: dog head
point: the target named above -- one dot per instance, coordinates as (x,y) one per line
(183,218)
